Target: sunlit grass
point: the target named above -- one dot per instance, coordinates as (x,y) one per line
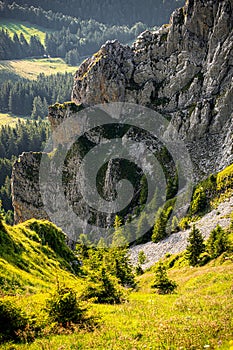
(31,68)
(9,119)
(198,316)
(28,29)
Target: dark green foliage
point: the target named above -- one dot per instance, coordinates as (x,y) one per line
(161,283)
(151,12)
(139,270)
(103,288)
(199,201)
(64,308)
(118,264)
(141,257)
(32,97)
(142,226)
(15,48)
(107,270)
(196,246)
(12,320)
(175,224)
(141,260)
(218,242)
(159,230)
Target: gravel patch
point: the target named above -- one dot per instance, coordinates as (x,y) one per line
(177,242)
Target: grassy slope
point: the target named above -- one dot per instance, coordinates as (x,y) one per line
(31,68)
(200,313)
(8,119)
(28,29)
(29,262)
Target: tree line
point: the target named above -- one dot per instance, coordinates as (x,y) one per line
(71,39)
(31,98)
(150,12)
(18,47)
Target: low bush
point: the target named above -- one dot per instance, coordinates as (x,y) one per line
(13,321)
(64,308)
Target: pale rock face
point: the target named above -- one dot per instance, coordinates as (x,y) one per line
(184,71)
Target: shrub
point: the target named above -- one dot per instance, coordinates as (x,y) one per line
(64,308)
(159,230)
(162,283)
(184,223)
(103,288)
(12,321)
(199,201)
(142,257)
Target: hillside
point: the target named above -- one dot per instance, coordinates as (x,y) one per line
(216,209)
(199,315)
(177,242)
(151,12)
(31,68)
(34,256)
(28,29)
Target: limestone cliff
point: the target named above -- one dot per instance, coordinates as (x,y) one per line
(184,71)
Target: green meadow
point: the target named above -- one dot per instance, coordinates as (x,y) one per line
(199,315)
(28,29)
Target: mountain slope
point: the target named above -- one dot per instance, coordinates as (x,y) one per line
(183,71)
(33,257)
(151,12)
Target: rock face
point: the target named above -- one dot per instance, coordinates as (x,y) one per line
(184,71)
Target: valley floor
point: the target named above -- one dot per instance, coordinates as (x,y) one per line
(199,316)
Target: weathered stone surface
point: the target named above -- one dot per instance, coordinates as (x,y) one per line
(184,71)
(25,190)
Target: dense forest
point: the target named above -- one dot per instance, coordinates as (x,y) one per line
(150,12)
(71,39)
(32,97)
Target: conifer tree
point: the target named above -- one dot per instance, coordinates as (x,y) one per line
(196,246)
(162,283)
(218,242)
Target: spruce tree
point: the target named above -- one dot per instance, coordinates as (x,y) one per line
(196,246)
(218,242)
(162,283)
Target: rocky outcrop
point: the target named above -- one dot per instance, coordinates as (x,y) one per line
(184,71)
(25,190)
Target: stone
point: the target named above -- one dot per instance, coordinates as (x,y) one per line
(183,70)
